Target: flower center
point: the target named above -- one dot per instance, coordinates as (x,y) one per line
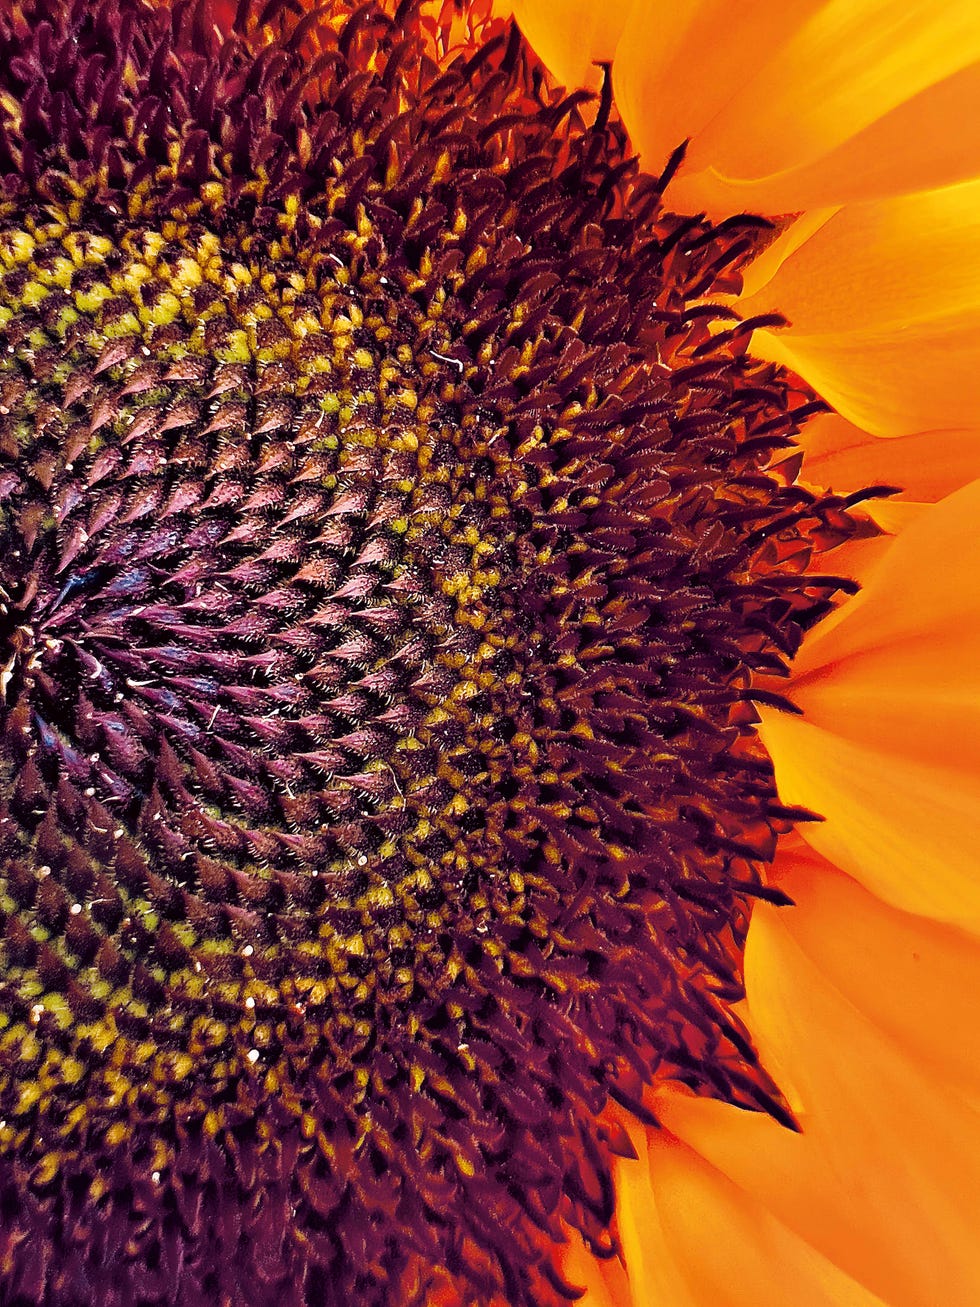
(388,552)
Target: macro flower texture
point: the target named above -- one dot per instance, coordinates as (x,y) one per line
(489,607)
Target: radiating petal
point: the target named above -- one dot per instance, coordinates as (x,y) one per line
(915,979)
(883,303)
(927,587)
(857,559)
(910,148)
(884,1179)
(803,104)
(572,36)
(888,751)
(894,381)
(653,1273)
(894,515)
(693,1238)
(925,465)
(765,265)
(604,1282)
(883,264)
(909,830)
(678,66)
(734,1251)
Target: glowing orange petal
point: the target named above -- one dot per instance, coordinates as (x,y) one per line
(910,148)
(889,749)
(698,1240)
(884,264)
(915,979)
(894,515)
(758,274)
(927,587)
(803,103)
(884,306)
(831,121)
(857,558)
(908,830)
(890,381)
(734,1251)
(926,465)
(604,1282)
(571,36)
(885,1178)
(653,1274)
(679,65)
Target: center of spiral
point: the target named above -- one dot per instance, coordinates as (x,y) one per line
(299,585)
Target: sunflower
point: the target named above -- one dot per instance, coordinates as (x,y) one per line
(485,520)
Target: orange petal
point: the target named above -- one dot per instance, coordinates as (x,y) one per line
(889,749)
(883,264)
(893,515)
(891,381)
(804,103)
(883,302)
(885,1178)
(913,978)
(679,65)
(604,1283)
(910,148)
(927,587)
(571,36)
(857,558)
(925,465)
(908,830)
(693,1238)
(764,267)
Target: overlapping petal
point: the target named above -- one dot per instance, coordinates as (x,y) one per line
(718,1243)
(571,36)
(691,1236)
(787,106)
(855,1007)
(883,302)
(805,103)
(888,749)
(923,466)
(911,977)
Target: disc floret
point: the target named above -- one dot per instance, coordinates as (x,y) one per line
(391,549)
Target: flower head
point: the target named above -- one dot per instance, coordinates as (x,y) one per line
(397,532)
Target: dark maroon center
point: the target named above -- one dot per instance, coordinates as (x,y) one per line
(388,551)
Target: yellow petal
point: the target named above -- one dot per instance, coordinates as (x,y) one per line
(883,302)
(893,515)
(653,1273)
(925,465)
(890,381)
(883,264)
(572,36)
(764,267)
(806,103)
(857,559)
(885,1178)
(677,66)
